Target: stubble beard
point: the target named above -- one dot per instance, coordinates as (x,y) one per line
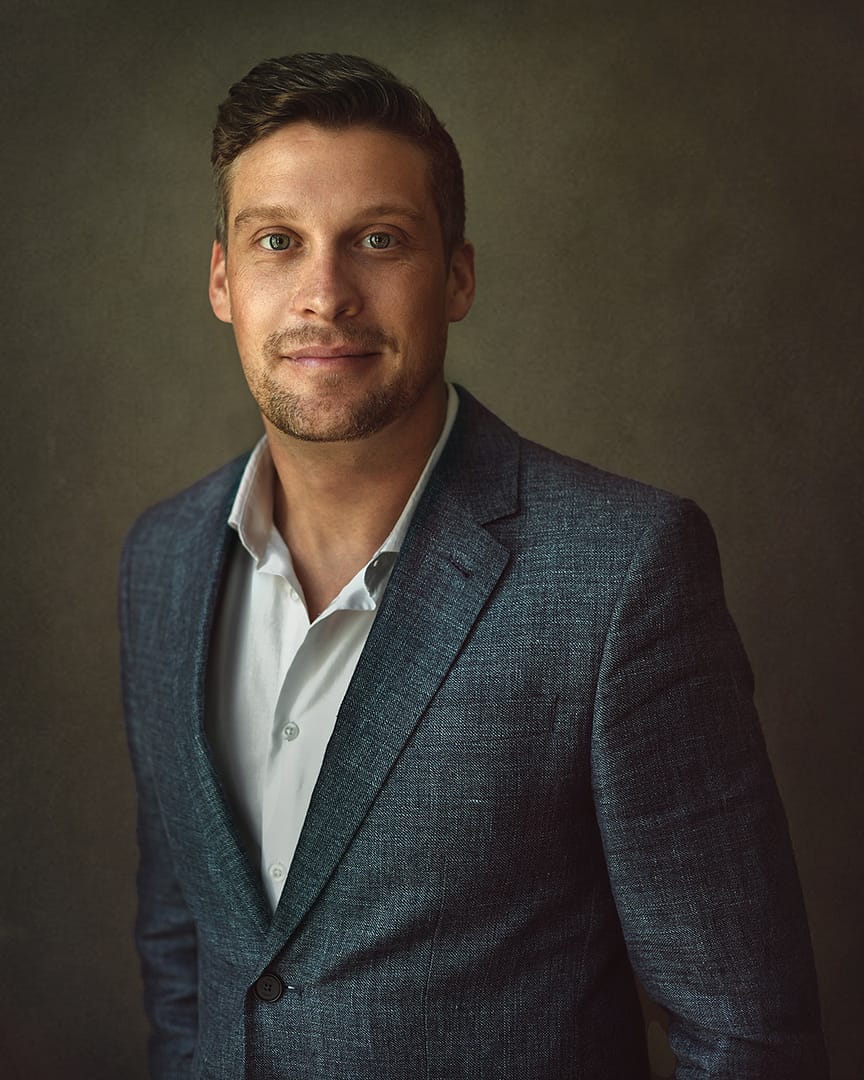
(334,415)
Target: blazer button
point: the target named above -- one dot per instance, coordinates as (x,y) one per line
(269,987)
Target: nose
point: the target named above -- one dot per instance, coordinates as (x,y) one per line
(325,286)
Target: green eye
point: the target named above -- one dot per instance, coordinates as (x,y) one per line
(277,242)
(379,240)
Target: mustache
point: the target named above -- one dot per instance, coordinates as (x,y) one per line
(364,339)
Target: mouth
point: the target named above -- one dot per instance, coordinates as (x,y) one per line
(325,355)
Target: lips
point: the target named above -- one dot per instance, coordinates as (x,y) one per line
(321,352)
(317,347)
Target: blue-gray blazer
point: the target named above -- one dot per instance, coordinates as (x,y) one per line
(547,770)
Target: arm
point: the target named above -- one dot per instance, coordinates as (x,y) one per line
(694,833)
(164,929)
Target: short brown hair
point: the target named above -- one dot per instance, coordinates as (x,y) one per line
(336,90)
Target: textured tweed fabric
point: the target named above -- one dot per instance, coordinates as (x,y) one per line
(547,773)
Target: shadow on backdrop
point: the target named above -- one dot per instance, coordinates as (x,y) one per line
(667,206)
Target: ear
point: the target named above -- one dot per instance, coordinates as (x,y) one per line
(220,296)
(460,283)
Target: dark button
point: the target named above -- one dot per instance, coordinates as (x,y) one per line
(269,987)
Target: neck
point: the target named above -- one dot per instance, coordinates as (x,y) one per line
(336,502)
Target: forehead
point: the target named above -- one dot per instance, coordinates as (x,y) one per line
(307,165)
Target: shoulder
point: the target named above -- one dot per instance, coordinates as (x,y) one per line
(622,537)
(179,519)
(563,500)
(604,507)
(547,475)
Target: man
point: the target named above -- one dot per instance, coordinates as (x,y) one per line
(438,735)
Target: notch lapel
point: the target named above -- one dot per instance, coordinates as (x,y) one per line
(198,568)
(445,573)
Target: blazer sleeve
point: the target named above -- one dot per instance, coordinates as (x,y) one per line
(164,929)
(695,837)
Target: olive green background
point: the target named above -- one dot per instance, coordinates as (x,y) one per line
(668,205)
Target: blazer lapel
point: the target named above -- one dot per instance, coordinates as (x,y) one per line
(448,566)
(196,598)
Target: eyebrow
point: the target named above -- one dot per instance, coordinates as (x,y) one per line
(276,212)
(251,214)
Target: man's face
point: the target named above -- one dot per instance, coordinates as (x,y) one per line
(336,282)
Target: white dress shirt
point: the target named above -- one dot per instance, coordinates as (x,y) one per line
(276,681)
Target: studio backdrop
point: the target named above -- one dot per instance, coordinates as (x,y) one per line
(666,201)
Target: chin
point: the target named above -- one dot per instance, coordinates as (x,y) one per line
(304,420)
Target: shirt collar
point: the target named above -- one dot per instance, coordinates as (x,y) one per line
(252,515)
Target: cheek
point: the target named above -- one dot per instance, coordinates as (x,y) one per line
(252,304)
(422,307)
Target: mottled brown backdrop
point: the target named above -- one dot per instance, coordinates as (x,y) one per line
(667,204)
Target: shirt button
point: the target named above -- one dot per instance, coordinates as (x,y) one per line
(276,871)
(290,731)
(269,987)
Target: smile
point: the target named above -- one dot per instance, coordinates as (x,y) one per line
(321,356)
